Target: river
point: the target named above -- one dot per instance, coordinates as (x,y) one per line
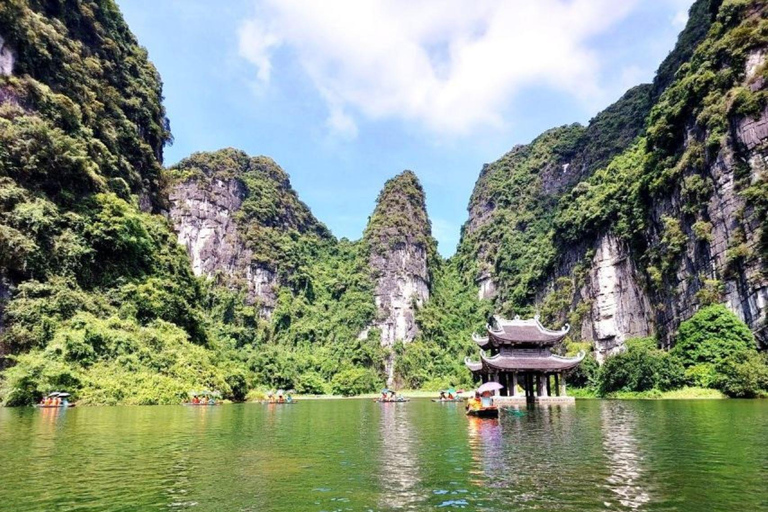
(336,455)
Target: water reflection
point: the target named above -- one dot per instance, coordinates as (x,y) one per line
(357,455)
(399,468)
(625,458)
(485,440)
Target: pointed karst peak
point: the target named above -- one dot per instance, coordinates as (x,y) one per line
(400,215)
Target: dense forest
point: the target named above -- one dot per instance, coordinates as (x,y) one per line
(110,289)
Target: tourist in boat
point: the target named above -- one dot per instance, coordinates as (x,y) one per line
(442,395)
(474,403)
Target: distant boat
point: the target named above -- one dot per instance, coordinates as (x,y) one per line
(204,398)
(63,402)
(449,395)
(389,396)
(280,398)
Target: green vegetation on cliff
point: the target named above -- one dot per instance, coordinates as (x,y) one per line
(98,297)
(713,350)
(400,217)
(103,302)
(276,226)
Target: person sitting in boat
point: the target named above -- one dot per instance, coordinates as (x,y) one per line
(487,399)
(442,395)
(474,403)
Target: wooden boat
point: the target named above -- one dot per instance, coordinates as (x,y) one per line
(201,404)
(396,401)
(484,412)
(447,400)
(61,396)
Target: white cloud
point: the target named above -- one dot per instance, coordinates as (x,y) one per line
(450,66)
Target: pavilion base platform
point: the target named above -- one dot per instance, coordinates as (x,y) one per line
(502,401)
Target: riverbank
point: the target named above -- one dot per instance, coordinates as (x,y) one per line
(686,393)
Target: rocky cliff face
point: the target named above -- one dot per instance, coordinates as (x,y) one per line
(726,257)
(401,248)
(240,221)
(632,240)
(202,214)
(620,309)
(6,58)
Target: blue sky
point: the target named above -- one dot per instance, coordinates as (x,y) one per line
(346,94)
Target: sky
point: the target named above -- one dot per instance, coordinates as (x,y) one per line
(345,94)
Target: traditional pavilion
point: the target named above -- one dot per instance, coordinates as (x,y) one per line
(519,352)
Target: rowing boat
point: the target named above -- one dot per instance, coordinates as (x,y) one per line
(484,412)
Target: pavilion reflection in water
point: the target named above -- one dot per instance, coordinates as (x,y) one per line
(519,352)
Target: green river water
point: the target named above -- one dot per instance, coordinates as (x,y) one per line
(359,455)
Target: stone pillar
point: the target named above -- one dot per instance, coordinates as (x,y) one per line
(513,388)
(557,384)
(562,386)
(549,385)
(537,378)
(543,385)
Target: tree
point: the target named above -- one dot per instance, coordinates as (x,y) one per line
(712,335)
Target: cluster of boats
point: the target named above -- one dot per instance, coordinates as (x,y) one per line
(479,405)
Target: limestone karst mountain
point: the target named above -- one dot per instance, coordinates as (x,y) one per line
(402,255)
(623,228)
(242,223)
(631,237)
